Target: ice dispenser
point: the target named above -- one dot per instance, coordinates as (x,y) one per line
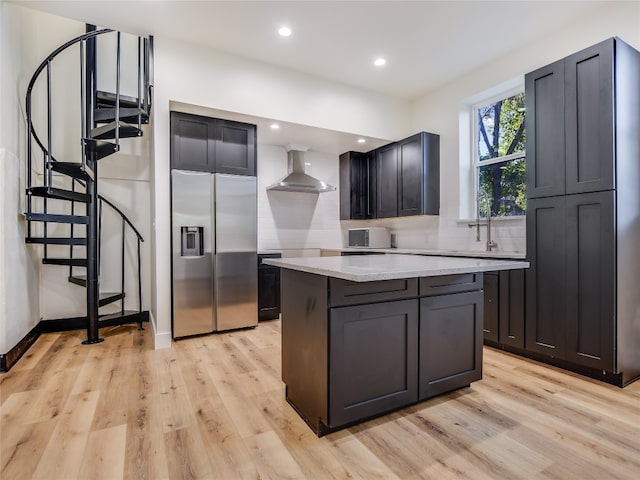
(192,244)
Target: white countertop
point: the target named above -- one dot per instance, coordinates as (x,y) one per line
(367,268)
(446,253)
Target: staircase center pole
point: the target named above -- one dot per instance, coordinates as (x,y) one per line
(92,207)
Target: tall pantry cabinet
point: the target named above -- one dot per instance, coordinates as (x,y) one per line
(583,211)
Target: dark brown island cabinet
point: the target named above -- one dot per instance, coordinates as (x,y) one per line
(398,179)
(583,206)
(355,350)
(214,145)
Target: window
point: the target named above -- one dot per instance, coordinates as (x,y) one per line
(499,157)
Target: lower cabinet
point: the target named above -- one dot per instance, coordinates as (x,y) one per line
(504,307)
(268,289)
(491,306)
(512,307)
(450,342)
(373,359)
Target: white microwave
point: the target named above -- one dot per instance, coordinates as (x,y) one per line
(372,237)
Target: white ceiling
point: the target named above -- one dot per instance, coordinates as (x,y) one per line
(426,43)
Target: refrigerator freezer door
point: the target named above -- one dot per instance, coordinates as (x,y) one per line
(191,220)
(236,278)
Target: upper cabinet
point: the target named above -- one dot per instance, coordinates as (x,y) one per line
(235,148)
(212,145)
(419,175)
(354,175)
(399,179)
(570,110)
(192,142)
(387,181)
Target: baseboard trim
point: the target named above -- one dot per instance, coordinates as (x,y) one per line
(9,359)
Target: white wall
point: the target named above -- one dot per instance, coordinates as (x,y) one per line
(438,112)
(293,220)
(21,52)
(197,76)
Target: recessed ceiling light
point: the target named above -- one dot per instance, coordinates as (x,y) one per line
(361,140)
(275,126)
(284,31)
(379,62)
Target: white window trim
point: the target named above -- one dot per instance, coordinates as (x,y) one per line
(474,161)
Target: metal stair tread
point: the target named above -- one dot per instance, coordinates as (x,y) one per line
(108,131)
(59,194)
(128,115)
(108,99)
(78,280)
(73,262)
(57,218)
(73,169)
(105,298)
(101,148)
(57,240)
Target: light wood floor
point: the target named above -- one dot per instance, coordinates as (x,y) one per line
(213,407)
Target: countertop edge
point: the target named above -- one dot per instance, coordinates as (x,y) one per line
(414,273)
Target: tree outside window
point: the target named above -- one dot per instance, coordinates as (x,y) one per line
(499,158)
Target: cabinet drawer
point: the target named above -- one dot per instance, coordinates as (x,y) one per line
(345,292)
(464,282)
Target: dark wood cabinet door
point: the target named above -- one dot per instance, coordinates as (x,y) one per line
(512,295)
(545,143)
(372,191)
(591,280)
(354,185)
(192,142)
(419,175)
(411,176)
(491,306)
(235,148)
(546,291)
(589,126)
(373,359)
(268,289)
(450,348)
(387,181)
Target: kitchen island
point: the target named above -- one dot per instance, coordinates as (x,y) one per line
(365,335)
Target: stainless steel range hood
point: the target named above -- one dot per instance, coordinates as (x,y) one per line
(297,180)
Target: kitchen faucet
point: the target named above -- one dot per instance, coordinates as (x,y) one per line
(482,194)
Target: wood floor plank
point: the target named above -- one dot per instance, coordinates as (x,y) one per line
(312,454)
(174,398)
(214,407)
(19,458)
(145,456)
(186,455)
(63,454)
(228,455)
(104,455)
(272,458)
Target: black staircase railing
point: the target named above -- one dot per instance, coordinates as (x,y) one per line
(94,147)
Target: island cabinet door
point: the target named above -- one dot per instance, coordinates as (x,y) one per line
(450,347)
(373,360)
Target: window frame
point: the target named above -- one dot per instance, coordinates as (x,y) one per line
(475,158)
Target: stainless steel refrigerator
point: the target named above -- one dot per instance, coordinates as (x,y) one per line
(214,252)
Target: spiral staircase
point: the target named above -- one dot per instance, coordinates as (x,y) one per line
(64,196)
